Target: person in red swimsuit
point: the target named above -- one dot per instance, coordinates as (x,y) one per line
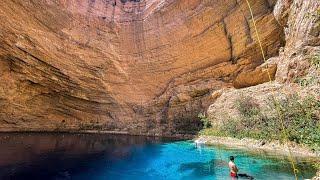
(233,168)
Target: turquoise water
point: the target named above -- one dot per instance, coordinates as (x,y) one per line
(180,160)
(101,157)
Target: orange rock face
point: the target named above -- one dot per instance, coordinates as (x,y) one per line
(261,74)
(142,67)
(294,72)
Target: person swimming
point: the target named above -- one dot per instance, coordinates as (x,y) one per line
(234,170)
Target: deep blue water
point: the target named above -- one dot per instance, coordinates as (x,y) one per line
(106,157)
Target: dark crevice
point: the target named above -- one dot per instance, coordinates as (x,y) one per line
(249,40)
(230,41)
(217,22)
(164,112)
(41,61)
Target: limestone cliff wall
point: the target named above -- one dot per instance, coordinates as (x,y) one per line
(297,72)
(143,67)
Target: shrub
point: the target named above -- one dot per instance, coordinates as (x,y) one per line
(313,80)
(300,117)
(316,164)
(316,61)
(214,132)
(204,119)
(247,107)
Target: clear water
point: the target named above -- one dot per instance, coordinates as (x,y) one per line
(105,157)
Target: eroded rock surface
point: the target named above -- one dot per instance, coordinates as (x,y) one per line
(297,72)
(142,67)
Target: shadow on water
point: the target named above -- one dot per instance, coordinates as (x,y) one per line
(203,169)
(58,156)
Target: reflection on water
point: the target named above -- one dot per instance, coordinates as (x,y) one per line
(45,156)
(100,157)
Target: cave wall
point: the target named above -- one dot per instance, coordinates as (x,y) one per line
(139,67)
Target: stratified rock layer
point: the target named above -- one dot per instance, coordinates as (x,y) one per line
(142,67)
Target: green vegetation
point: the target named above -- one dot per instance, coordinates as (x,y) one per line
(316,61)
(301,118)
(313,79)
(318,13)
(308,81)
(205,121)
(317,164)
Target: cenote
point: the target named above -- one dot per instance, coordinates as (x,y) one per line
(118,157)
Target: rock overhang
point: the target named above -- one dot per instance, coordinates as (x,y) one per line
(125,65)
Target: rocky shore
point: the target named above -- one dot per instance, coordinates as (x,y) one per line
(259,144)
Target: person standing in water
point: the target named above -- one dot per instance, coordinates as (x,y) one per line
(233,168)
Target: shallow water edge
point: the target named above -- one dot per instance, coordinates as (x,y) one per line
(273,146)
